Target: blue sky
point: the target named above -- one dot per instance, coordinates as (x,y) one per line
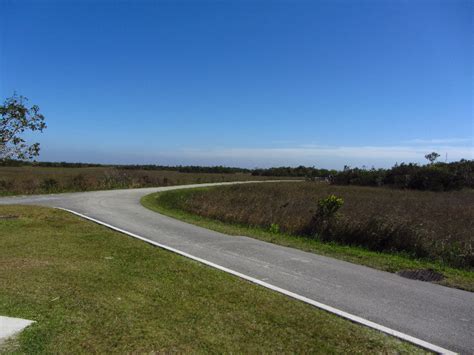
(244,83)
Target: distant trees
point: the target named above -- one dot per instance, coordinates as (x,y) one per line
(16,118)
(433,177)
(151,167)
(432,157)
(188,168)
(310,173)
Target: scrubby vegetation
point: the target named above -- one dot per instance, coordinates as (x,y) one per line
(180,168)
(430,225)
(285,171)
(300,171)
(434,177)
(37,180)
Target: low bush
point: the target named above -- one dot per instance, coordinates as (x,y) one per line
(274,228)
(325,216)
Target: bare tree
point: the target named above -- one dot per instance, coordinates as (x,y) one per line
(16,118)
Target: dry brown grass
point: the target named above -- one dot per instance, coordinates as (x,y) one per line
(424,224)
(35,180)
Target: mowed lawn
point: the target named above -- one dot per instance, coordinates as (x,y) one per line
(90,289)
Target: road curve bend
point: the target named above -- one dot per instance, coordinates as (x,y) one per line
(431,313)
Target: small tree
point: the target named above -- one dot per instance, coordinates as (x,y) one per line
(325,215)
(16,118)
(432,157)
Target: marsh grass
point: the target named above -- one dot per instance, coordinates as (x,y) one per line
(425,224)
(391,230)
(39,180)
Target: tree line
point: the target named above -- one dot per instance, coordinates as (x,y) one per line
(16,118)
(433,176)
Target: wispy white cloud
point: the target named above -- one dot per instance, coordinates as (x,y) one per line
(395,152)
(321,156)
(440,141)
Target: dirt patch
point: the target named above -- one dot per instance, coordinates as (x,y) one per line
(422,275)
(10,216)
(20,263)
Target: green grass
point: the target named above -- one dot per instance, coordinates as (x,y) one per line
(167,203)
(93,290)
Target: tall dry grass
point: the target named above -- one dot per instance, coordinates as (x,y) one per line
(36,180)
(432,225)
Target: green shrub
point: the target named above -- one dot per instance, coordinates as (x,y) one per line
(323,220)
(328,207)
(274,228)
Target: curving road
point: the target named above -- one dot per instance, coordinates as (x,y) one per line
(436,314)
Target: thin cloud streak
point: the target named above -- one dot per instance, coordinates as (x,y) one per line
(440,141)
(369,152)
(322,156)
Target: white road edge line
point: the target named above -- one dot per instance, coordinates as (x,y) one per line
(351,317)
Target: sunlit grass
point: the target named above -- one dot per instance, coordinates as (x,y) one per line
(92,290)
(172,203)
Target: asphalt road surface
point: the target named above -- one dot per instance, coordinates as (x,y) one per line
(440,315)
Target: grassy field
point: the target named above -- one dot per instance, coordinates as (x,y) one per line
(92,290)
(38,180)
(432,220)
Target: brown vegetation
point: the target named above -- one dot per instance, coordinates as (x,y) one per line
(35,180)
(432,225)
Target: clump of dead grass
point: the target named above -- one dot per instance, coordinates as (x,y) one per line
(431,225)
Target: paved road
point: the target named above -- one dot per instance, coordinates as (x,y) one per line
(437,314)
